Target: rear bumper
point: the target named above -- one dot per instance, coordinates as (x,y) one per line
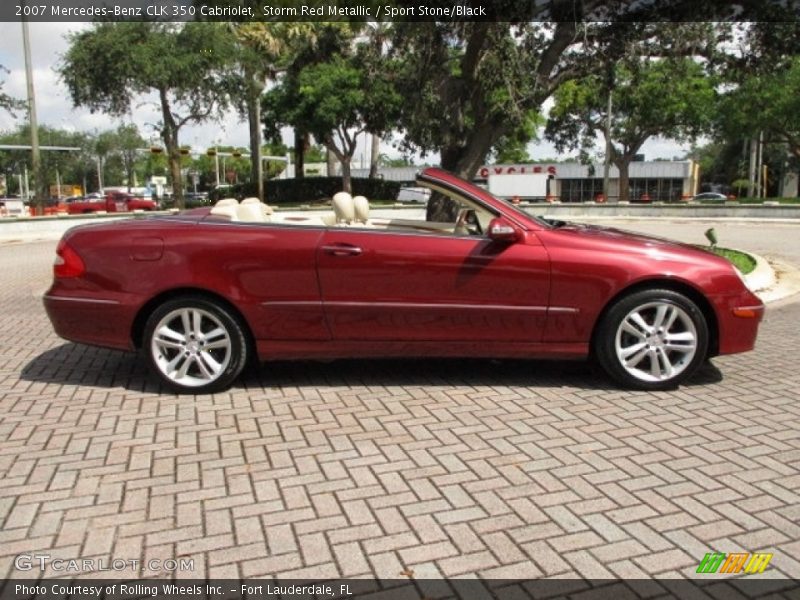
(88,320)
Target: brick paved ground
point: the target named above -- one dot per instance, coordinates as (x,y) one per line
(453,468)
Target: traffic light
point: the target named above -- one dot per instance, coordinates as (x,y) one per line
(184,151)
(211,152)
(156,149)
(236,154)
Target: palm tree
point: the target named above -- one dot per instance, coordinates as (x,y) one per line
(378,34)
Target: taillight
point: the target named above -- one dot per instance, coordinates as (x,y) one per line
(68,263)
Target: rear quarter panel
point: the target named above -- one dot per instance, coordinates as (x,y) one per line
(133,262)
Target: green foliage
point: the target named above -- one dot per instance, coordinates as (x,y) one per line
(768,102)
(671,97)
(741,260)
(8,103)
(513,147)
(107,65)
(335,100)
(668,97)
(73,167)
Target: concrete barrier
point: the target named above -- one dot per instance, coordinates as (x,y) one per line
(26,228)
(677,211)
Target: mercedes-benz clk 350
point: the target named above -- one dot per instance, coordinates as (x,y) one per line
(202,293)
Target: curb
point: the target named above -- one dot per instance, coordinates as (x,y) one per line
(762,277)
(785,281)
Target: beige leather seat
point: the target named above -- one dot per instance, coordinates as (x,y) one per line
(227,202)
(343,209)
(265,208)
(361,210)
(228,210)
(251,213)
(254,211)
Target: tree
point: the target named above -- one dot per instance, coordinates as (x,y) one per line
(70,167)
(128,144)
(513,147)
(670,97)
(373,58)
(264,51)
(7,102)
(768,102)
(469,85)
(184,65)
(335,101)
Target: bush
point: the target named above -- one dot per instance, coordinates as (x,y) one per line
(311,189)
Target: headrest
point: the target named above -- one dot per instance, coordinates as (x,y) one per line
(227,202)
(228,210)
(251,212)
(264,207)
(343,207)
(361,208)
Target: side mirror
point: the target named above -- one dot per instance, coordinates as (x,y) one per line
(502,231)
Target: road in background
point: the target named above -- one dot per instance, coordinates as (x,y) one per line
(771,239)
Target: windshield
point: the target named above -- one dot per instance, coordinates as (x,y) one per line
(471,194)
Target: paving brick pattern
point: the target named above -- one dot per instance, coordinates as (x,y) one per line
(390,468)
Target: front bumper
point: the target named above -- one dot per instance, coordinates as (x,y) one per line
(739,317)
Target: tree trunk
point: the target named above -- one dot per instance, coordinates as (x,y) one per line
(330,158)
(170,136)
(299,154)
(254,121)
(177,179)
(464,161)
(344,158)
(623,183)
(375,155)
(347,184)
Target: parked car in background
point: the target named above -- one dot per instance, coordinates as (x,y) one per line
(110,202)
(204,292)
(710,196)
(13,207)
(414,195)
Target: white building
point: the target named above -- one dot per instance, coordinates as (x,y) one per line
(663,181)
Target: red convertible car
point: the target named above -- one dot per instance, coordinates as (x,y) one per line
(203,292)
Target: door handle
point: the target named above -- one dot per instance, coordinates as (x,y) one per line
(342,250)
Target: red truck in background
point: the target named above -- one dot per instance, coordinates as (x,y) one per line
(111,202)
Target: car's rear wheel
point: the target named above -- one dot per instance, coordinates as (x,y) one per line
(195,345)
(652,339)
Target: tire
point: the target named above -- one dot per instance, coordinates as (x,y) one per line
(195,345)
(652,340)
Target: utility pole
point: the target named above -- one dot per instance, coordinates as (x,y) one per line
(760,163)
(751,176)
(36,162)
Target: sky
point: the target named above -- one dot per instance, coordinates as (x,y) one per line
(54,107)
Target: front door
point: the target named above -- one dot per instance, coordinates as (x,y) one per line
(385,285)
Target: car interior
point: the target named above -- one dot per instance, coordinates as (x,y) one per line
(350,211)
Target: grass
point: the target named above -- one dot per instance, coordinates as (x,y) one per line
(742,261)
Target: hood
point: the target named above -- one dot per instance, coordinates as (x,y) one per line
(613,239)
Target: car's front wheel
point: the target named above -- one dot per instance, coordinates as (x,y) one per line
(195,345)
(652,339)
